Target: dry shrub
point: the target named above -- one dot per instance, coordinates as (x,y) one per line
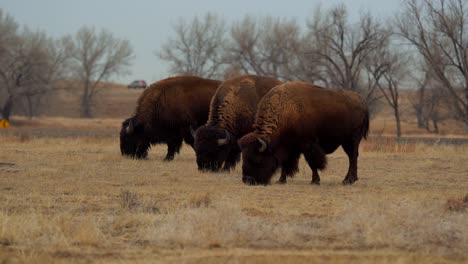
(198,200)
(79,230)
(388,145)
(87,233)
(24,137)
(459,204)
(36,230)
(443,150)
(401,224)
(7,139)
(21,229)
(7,237)
(406,147)
(129,200)
(124,222)
(363,224)
(41,231)
(379,145)
(223,224)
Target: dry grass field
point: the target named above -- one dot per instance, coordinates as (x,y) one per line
(77,200)
(111,100)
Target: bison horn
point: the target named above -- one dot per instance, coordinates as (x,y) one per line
(263,146)
(224,141)
(129,128)
(192,131)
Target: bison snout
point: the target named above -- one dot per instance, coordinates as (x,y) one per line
(209,167)
(249,180)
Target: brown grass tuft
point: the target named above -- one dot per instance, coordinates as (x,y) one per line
(88,233)
(129,200)
(388,145)
(198,200)
(457,204)
(24,137)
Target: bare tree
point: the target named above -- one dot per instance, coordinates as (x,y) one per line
(437,29)
(96,57)
(29,64)
(31,70)
(435,108)
(8,38)
(197,47)
(418,101)
(269,47)
(390,77)
(429,101)
(343,47)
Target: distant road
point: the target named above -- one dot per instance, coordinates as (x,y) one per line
(85,133)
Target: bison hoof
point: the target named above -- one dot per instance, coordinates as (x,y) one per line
(347,181)
(169,158)
(226,170)
(249,180)
(315,182)
(281,181)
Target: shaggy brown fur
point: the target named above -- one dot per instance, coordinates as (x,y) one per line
(232,113)
(299,118)
(164,114)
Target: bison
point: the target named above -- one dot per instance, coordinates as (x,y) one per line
(164,114)
(232,113)
(299,118)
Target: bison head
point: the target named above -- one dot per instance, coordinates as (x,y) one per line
(212,146)
(133,142)
(258,162)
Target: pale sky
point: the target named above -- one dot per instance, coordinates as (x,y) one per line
(147,24)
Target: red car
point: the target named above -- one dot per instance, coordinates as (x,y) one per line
(137,84)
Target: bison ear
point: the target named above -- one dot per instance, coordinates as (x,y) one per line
(263,145)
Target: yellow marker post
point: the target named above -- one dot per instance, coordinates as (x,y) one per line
(4,123)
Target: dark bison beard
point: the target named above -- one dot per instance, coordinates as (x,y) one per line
(210,155)
(214,161)
(259,174)
(134,148)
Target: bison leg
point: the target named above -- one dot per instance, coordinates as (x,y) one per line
(315,157)
(352,150)
(173,147)
(315,177)
(289,167)
(282,179)
(188,138)
(231,160)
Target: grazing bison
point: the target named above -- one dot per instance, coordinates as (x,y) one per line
(232,113)
(299,118)
(164,114)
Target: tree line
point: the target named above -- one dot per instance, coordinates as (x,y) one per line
(424,46)
(32,64)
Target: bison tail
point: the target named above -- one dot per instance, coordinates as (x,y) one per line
(365,126)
